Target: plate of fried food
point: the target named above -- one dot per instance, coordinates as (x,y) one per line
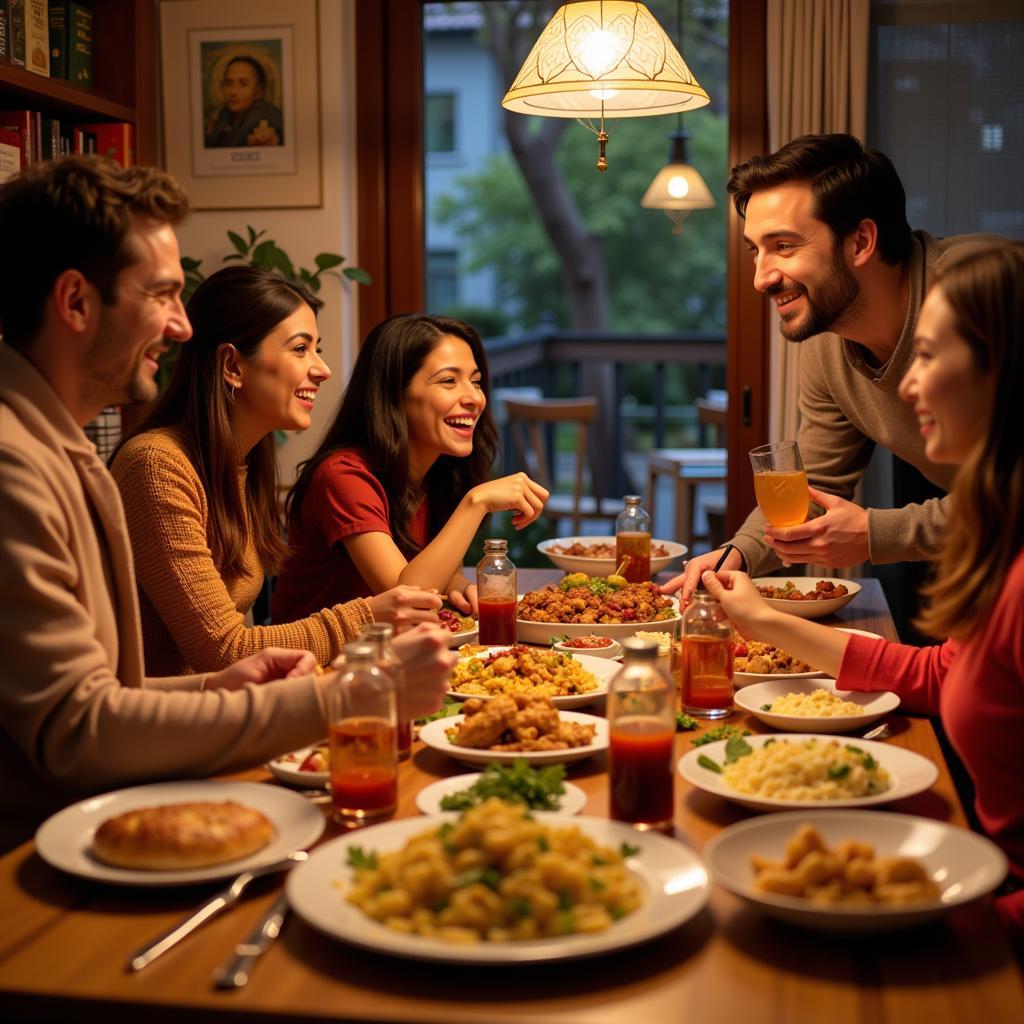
(810,597)
(570,680)
(306,768)
(579,605)
(756,662)
(178,833)
(854,871)
(463,628)
(813,705)
(552,888)
(779,772)
(512,726)
(595,556)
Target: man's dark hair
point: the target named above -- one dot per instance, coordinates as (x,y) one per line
(849,183)
(74,213)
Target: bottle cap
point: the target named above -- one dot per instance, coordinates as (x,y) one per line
(496,545)
(641,648)
(378,631)
(359,651)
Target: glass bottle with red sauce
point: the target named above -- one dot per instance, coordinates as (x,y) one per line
(633,541)
(380,634)
(363,739)
(706,658)
(497,595)
(642,726)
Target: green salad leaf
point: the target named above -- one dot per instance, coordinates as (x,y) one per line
(720,732)
(540,789)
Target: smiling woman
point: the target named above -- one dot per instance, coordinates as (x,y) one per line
(199,480)
(400,483)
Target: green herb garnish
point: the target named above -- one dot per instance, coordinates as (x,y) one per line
(449,708)
(684,723)
(766,707)
(359,859)
(539,789)
(838,771)
(705,762)
(735,748)
(627,850)
(720,732)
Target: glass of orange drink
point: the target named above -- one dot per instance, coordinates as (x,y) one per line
(780,483)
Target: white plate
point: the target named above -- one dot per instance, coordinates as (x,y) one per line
(64,840)
(601,668)
(434,735)
(964,864)
(541,632)
(741,679)
(874,705)
(612,650)
(910,773)
(286,768)
(604,566)
(428,799)
(465,637)
(808,609)
(675,883)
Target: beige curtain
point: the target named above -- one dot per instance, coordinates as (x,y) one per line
(817,82)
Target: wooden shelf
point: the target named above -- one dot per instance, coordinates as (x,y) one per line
(20,88)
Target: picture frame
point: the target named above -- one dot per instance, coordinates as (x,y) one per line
(241,102)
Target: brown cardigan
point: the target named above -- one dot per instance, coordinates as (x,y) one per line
(76,713)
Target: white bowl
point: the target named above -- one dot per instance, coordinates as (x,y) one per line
(873,705)
(613,650)
(805,584)
(604,566)
(962,863)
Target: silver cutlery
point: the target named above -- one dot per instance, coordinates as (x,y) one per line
(235,973)
(214,905)
(879,732)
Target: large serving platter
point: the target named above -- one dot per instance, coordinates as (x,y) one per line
(65,839)
(604,566)
(675,884)
(964,864)
(910,773)
(806,584)
(434,735)
(528,632)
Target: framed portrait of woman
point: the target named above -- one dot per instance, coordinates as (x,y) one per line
(241,103)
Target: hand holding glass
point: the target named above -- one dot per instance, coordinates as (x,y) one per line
(780,483)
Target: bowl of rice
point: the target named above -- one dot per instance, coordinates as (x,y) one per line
(813,705)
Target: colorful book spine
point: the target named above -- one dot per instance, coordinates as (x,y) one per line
(37,37)
(79,22)
(114,139)
(23,122)
(17,31)
(5,34)
(58,38)
(10,153)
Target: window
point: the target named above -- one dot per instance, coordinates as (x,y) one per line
(440,126)
(442,279)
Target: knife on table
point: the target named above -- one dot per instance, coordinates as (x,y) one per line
(235,973)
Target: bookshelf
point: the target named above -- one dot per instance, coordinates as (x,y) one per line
(124,76)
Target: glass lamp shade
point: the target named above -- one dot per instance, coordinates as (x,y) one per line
(604,58)
(678,187)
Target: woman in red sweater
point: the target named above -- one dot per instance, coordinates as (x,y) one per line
(401,481)
(965,385)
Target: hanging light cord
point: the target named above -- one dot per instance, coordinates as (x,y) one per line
(598,130)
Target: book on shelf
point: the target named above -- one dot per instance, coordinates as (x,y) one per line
(10,152)
(37,37)
(23,122)
(70,42)
(16,31)
(114,139)
(5,35)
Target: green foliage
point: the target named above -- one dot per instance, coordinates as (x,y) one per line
(268,254)
(488,322)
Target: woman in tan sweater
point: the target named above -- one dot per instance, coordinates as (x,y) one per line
(199,482)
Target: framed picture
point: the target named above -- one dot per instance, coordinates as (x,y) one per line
(241,102)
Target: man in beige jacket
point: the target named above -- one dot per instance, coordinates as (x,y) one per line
(825,223)
(90,297)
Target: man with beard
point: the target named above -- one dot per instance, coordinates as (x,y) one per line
(825,223)
(90,296)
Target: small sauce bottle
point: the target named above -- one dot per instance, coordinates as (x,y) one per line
(633,540)
(497,595)
(642,726)
(706,657)
(379,634)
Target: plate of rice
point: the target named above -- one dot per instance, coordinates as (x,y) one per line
(813,705)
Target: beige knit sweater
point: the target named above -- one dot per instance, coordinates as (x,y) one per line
(192,620)
(847,406)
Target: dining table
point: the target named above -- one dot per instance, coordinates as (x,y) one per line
(65,940)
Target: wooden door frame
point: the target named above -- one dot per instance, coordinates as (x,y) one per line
(389,133)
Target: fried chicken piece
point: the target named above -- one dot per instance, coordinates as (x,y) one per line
(535,716)
(485,721)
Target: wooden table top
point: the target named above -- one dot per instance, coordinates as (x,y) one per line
(65,941)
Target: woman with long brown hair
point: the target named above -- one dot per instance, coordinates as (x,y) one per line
(964,384)
(401,481)
(199,482)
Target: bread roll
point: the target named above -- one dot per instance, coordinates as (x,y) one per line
(180,836)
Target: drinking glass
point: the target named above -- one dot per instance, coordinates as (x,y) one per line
(780,483)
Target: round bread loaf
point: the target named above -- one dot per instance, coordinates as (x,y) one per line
(180,836)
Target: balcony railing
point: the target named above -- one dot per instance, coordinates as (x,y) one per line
(636,414)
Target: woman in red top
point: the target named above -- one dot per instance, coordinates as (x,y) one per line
(401,481)
(965,384)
